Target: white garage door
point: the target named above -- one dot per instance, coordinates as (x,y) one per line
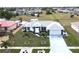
(55,32)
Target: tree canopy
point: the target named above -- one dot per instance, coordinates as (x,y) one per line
(6,14)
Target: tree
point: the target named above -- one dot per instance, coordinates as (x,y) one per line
(5,44)
(6,14)
(53,11)
(20,19)
(48,12)
(71,16)
(43,34)
(17,14)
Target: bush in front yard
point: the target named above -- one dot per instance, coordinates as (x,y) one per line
(43,34)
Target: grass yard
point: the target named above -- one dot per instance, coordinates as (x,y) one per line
(28,39)
(73,38)
(9,50)
(75,50)
(36,50)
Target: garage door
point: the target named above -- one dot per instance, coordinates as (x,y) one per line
(55,32)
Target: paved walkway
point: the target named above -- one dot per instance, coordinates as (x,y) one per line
(14,32)
(58,45)
(4,38)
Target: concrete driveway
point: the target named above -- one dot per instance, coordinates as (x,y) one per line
(58,45)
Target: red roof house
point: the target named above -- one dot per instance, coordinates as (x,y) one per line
(7,26)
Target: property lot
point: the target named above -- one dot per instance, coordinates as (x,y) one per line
(65,20)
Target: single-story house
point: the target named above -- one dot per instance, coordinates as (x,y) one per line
(63,10)
(75,26)
(51,27)
(7,26)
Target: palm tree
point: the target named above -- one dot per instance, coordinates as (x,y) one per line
(5,44)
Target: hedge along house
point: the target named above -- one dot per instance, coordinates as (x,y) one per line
(51,27)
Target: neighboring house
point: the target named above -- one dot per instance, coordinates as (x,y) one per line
(26,11)
(8,26)
(75,26)
(76,11)
(63,10)
(51,27)
(20,11)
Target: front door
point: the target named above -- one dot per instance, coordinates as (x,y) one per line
(37,30)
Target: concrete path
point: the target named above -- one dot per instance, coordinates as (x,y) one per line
(58,45)
(14,32)
(4,38)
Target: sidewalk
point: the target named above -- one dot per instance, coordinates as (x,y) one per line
(26,47)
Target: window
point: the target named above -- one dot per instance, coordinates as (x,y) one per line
(43,28)
(5,28)
(28,28)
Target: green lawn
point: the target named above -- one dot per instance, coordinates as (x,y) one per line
(28,39)
(9,50)
(75,50)
(73,37)
(36,50)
